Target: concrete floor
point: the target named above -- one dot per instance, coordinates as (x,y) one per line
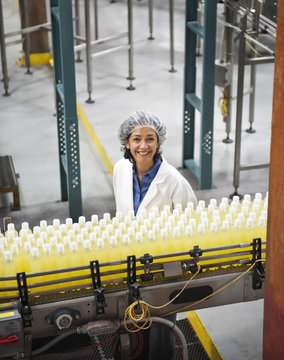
(29,134)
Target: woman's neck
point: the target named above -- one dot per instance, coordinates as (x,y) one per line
(142,169)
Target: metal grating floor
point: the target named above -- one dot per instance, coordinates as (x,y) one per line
(104,351)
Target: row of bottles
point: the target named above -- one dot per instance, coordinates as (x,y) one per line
(50,247)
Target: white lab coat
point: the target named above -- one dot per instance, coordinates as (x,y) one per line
(168,187)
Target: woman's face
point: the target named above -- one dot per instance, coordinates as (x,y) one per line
(143,144)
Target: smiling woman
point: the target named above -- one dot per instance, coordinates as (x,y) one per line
(144,179)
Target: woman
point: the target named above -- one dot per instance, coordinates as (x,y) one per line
(143,178)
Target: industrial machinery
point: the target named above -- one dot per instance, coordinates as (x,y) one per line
(108,299)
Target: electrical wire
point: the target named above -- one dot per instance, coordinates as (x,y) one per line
(253,49)
(223,102)
(136,317)
(217,291)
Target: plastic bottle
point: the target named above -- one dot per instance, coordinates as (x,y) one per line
(69,224)
(8,268)
(82,221)
(11,227)
(25,226)
(56,224)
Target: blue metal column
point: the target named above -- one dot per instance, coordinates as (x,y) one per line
(65,89)
(192,102)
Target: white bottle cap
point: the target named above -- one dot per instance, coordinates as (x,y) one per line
(14,248)
(213,226)
(109,228)
(79,238)
(60,249)
(201,229)
(49,229)
(188,230)
(10,227)
(95,219)
(82,220)
(155,210)
(63,228)
(46,249)
(119,215)
(236,199)
(39,242)
(222,207)
(175,213)
(106,217)
(4,241)
(56,223)
(115,221)
(92,237)
(122,227)
(131,213)
(167,209)
(203,215)
(201,203)
(36,230)
(143,211)
(247,197)
(53,241)
(138,237)
(8,256)
(250,223)
(178,206)
(228,217)
(102,223)
(57,234)
(31,238)
(113,242)
(205,222)
(25,225)
(87,245)
(225,201)
(69,222)
(34,253)
(73,246)
(27,247)
(125,239)
(118,233)
(213,202)
(252,215)
(176,232)
(17,241)
(181,225)
(10,234)
(151,235)
(156,228)
(217,220)
(210,208)
(225,225)
(66,240)
(192,222)
(163,233)
(43,224)
(164,215)
(187,212)
(130,231)
(237,224)
(190,205)
(258,196)
(127,219)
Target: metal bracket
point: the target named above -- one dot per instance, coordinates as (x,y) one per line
(258,270)
(26,311)
(195,253)
(146,260)
(97,285)
(134,293)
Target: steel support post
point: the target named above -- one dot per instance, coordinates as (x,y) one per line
(26,36)
(172,51)
(3,52)
(130,43)
(228,34)
(96,19)
(88,52)
(238,133)
(77,28)
(150,11)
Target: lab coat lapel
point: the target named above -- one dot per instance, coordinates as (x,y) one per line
(127,182)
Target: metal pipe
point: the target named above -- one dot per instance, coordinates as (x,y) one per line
(241,69)
(104,40)
(130,43)
(250,130)
(260,60)
(28,30)
(96,19)
(27,44)
(3,53)
(77,29)
(108,51)
(150,11)
(88,52)
(228,34)
(172,54)
(251,167)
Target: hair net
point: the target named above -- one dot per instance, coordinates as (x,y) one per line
(140,119)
